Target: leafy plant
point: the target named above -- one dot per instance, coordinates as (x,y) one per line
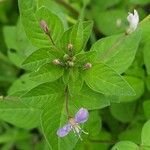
(67,76)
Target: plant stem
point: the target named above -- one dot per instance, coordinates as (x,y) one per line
(69,7)
(51,39)
(67,102)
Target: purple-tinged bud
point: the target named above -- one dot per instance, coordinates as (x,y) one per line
(87,66)
(44,26)
(70,46)
(56,62)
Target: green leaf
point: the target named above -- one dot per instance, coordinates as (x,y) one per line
(90,99)
(24,83)
(105,4)
(146,107)
(138,86)
(54,23)
(144,26)
(104,79)
(13,134)
(39,58)
(31,23)
(43,93)
(145,135)
(123,112)
(77,35)
(125,145)
(54,117)
(148,82)
(96,122)
(104,20)
(139,2)
(47,73)
(85,57)
(132,133)
(75,81)
(21,114)
(118,51)
(146,54)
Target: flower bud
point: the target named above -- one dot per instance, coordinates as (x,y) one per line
(87,65)
(66,57)
(70,63)
(56,62)
(44,26)
(70,46)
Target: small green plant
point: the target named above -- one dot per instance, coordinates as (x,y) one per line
(66,81)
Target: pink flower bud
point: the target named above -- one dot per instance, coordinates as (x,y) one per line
(44,26)
(87,65)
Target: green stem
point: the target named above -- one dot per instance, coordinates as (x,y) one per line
(67,102)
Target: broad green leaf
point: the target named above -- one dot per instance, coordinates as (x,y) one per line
(123,112)
(146,54)
(77,35)
(17,43)
(105,4)
(54,117)
(111,21)
(96,143)
(138,86)
(139,2)
(19,114)
(90,99)
(43,93)
(11,39)
(39,58)
(31,23)
(145,135)
(96,122)
(54,23)
(75,81)
(132,133)
(144,26)
(24,83)
(87,29)
(104,79)
(148,82)
(14,134)
(55,8)
(118,51)
(85,57)
(125,145)
(146,107)
(47,73)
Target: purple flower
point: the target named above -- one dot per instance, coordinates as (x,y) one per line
(73,124)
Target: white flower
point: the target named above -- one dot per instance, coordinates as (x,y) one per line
(133,20)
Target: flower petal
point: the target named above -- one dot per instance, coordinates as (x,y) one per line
(82,115)
(64,130)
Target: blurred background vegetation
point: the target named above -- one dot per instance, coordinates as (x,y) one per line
(109,18)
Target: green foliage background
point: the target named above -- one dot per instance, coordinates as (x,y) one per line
(115,90)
